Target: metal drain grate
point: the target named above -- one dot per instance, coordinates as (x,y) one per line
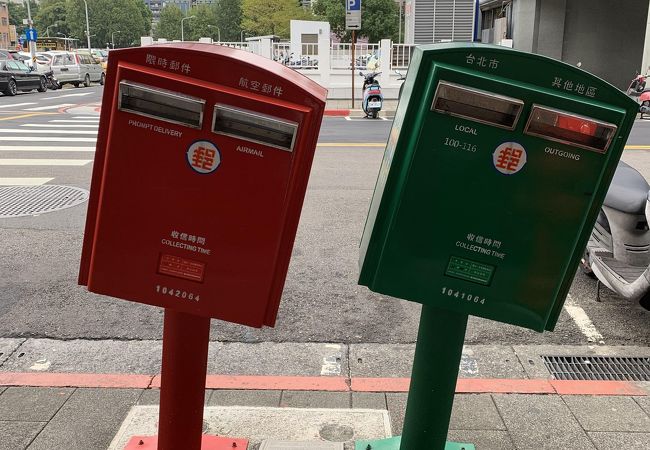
(18,201)
(598,368)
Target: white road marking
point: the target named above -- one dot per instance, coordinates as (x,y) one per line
(44,162)
(24,181)
(75,121)
(49,125)
(16,104)
(86,117)
(332,364)
(66,95)
(347,118)
(383,118)
(583,321)
(20,130)
(47,139)
(43,108)
(44,148)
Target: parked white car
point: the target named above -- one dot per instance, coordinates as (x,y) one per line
(76,68)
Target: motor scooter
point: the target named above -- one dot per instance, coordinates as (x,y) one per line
(618,251)
(637,85)
(51,81)
(372,96)
(400,77)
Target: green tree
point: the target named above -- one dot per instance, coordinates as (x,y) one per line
(228,17)
(18,12)
(264,17)
(332,11)
(379,18)
(52,12)
(169,26)
(204,25)
(106,18)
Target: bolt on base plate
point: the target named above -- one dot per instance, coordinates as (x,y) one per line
(207,443)
(394,443)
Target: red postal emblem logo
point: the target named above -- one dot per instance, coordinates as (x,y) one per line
(509,158)
(203,157)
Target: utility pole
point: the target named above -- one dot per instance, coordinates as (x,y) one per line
(87,25)
(32,44)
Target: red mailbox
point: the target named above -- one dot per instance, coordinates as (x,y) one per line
(202,163)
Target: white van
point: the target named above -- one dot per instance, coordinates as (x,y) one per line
(76,68)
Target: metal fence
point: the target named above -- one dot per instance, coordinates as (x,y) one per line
(340,55)
(400,55)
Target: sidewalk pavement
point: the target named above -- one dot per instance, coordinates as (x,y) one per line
(498,405)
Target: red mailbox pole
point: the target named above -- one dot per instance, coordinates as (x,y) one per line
(182,390)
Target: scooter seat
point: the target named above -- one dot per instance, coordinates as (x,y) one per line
(628,192)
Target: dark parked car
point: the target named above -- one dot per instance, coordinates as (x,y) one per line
(16,76)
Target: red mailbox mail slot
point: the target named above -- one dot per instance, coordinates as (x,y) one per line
(202,162)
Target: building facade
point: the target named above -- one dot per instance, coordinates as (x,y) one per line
(157,5)
(428,21)
(4,26)
(603,37)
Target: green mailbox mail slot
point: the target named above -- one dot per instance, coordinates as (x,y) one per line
(495,169)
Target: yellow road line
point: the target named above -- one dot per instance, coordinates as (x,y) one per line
(22,116)
(637,147)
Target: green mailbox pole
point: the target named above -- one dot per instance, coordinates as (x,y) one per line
(495,169)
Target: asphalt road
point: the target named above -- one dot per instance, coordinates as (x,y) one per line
(39,255)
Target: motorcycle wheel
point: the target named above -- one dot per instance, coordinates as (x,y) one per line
(43,85)
(373,114)
(585,266)
(645,301)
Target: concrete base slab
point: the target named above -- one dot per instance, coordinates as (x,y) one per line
(207,443)
(259,424)
(289,445)
(395,442)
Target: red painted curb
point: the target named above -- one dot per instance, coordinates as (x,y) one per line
(380,384)
(270,383)
(332,384)
(503,386)
(337,112)
(570,387)
(90,380)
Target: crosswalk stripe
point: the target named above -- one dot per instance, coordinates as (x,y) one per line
(24,181)
(16,105)
(44,162)
(66,95)
(20,130)
(74,121)
(49,125)
(44,148)
(43,108)
(47,139)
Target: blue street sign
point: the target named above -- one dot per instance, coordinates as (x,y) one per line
(31,34)
(353,5)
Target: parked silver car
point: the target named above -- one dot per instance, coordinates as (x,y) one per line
(76,68)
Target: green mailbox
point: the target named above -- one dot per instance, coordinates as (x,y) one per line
(494,172)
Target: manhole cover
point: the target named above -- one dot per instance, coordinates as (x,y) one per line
(598,368)
(18,201)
